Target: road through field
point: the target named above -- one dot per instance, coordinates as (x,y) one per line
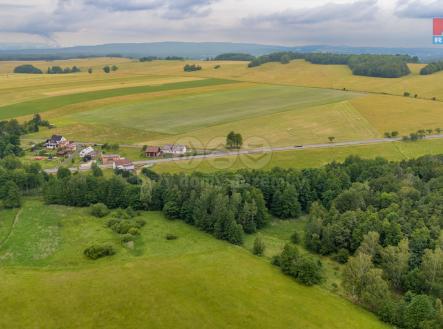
(263,150)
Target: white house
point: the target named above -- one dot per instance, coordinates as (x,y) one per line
(174,149)
(56,141)
(87,151)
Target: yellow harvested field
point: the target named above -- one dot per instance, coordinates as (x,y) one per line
(406,115)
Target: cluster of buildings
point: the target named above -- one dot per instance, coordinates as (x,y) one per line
(88,154)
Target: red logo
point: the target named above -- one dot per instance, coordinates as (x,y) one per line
(438,26)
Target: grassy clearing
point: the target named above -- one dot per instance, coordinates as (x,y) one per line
(51,103)
(195,281)
(307,158)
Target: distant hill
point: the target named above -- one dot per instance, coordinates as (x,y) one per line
(200,50)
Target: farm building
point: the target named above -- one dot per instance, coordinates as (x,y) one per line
(174,149)
(123,164)
(56,141)
(153,151)
(108,159)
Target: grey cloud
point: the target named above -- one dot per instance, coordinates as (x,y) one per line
(357,11)
(177,9)
(128,5)
(419,9)
(73,15)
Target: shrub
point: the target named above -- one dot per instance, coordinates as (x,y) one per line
(122,214)
(139,222)
(99,210)
(259,246)
(295,238)
(134,231)
(122,227)
(342,256)
(96,251)
(130,212)
(127,238)
(112,222)
(170,236)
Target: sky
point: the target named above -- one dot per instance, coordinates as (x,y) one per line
(384,23)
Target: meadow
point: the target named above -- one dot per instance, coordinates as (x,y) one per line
(194,281)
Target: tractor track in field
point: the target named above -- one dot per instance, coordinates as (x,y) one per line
(14,223)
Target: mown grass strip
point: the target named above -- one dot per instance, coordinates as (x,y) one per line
(51,103)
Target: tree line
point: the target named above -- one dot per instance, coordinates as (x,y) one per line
(60,70)
(234,57)
(432,68)
(385,66)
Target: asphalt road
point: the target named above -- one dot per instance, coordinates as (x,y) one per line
(220,154)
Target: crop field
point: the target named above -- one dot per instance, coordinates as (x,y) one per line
(194,281)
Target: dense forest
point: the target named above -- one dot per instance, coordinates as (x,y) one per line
(234,57)
(432,68)
(385,66)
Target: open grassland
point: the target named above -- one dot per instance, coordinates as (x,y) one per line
(192,282)
(51,103)
(176,115)
(280,114)
(310,158)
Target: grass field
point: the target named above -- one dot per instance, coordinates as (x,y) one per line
(192,282)
(310,158)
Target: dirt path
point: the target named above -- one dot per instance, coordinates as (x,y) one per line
(16,218)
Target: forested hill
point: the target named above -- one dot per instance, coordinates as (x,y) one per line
(202,50)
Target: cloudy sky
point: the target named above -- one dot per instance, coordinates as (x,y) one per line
(399,23)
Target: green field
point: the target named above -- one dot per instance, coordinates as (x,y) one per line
(192,282)
(310,158)
(47,104)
